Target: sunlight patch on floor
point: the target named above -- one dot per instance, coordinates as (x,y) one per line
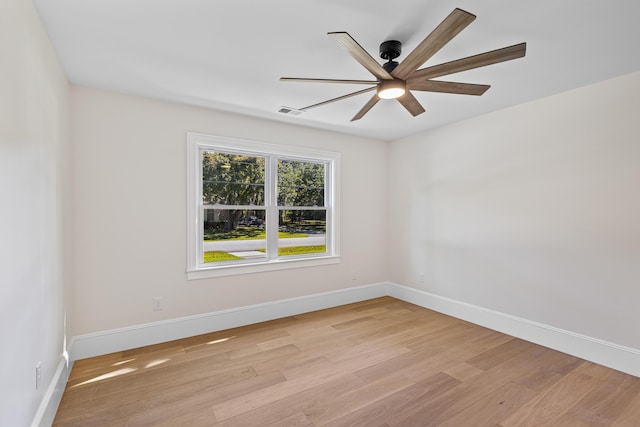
(220,340)
(106,376)
(156,363)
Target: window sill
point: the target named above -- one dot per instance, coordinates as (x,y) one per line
(275,265)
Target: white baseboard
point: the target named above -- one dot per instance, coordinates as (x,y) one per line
(615,356)
(95,344)
(602,352)
(51,400)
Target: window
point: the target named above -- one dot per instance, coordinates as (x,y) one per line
(259,207)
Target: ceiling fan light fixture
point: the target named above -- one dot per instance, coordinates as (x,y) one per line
(391,89)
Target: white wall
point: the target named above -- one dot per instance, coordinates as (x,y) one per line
(130,212)
(34,185)
(531,211)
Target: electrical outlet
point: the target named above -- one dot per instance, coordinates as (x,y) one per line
(157,304)
(421,277)
(354,275)
(38,374)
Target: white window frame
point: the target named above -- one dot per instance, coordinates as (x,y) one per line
(196,142)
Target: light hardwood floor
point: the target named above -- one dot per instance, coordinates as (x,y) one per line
(380,363)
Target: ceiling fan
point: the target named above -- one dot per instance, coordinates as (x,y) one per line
(396,80)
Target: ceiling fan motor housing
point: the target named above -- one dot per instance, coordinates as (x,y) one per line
(390,50)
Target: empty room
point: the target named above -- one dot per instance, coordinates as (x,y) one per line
(319,213)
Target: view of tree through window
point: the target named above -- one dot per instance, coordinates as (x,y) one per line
(236,208)
(301,185)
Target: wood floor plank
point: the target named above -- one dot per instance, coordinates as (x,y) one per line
(402,401)
(376,363)
(350,323)
(554,402)
(358,398)
(306,401)
(267,395)
(603,405)
(165,376)
(630,416)
(296,420)
(192,417)
(493,407)
(420,364)
(440,408)
(131,402)
(437,409)
(499,354)
(568,421)
(463,371)
(200,397)
(548,368)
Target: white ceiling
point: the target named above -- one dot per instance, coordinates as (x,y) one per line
(229,55)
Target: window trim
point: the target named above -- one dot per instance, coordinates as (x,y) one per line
(198,141)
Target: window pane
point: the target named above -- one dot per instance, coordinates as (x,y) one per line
(300,183)
(233,234)
(232,179)
(302,232)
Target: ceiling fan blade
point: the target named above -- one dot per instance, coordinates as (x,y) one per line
(443,34)
(447,87)
(410,102)
(369,89)
(368,106)
(361,55)
(471,62)
(304,80)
